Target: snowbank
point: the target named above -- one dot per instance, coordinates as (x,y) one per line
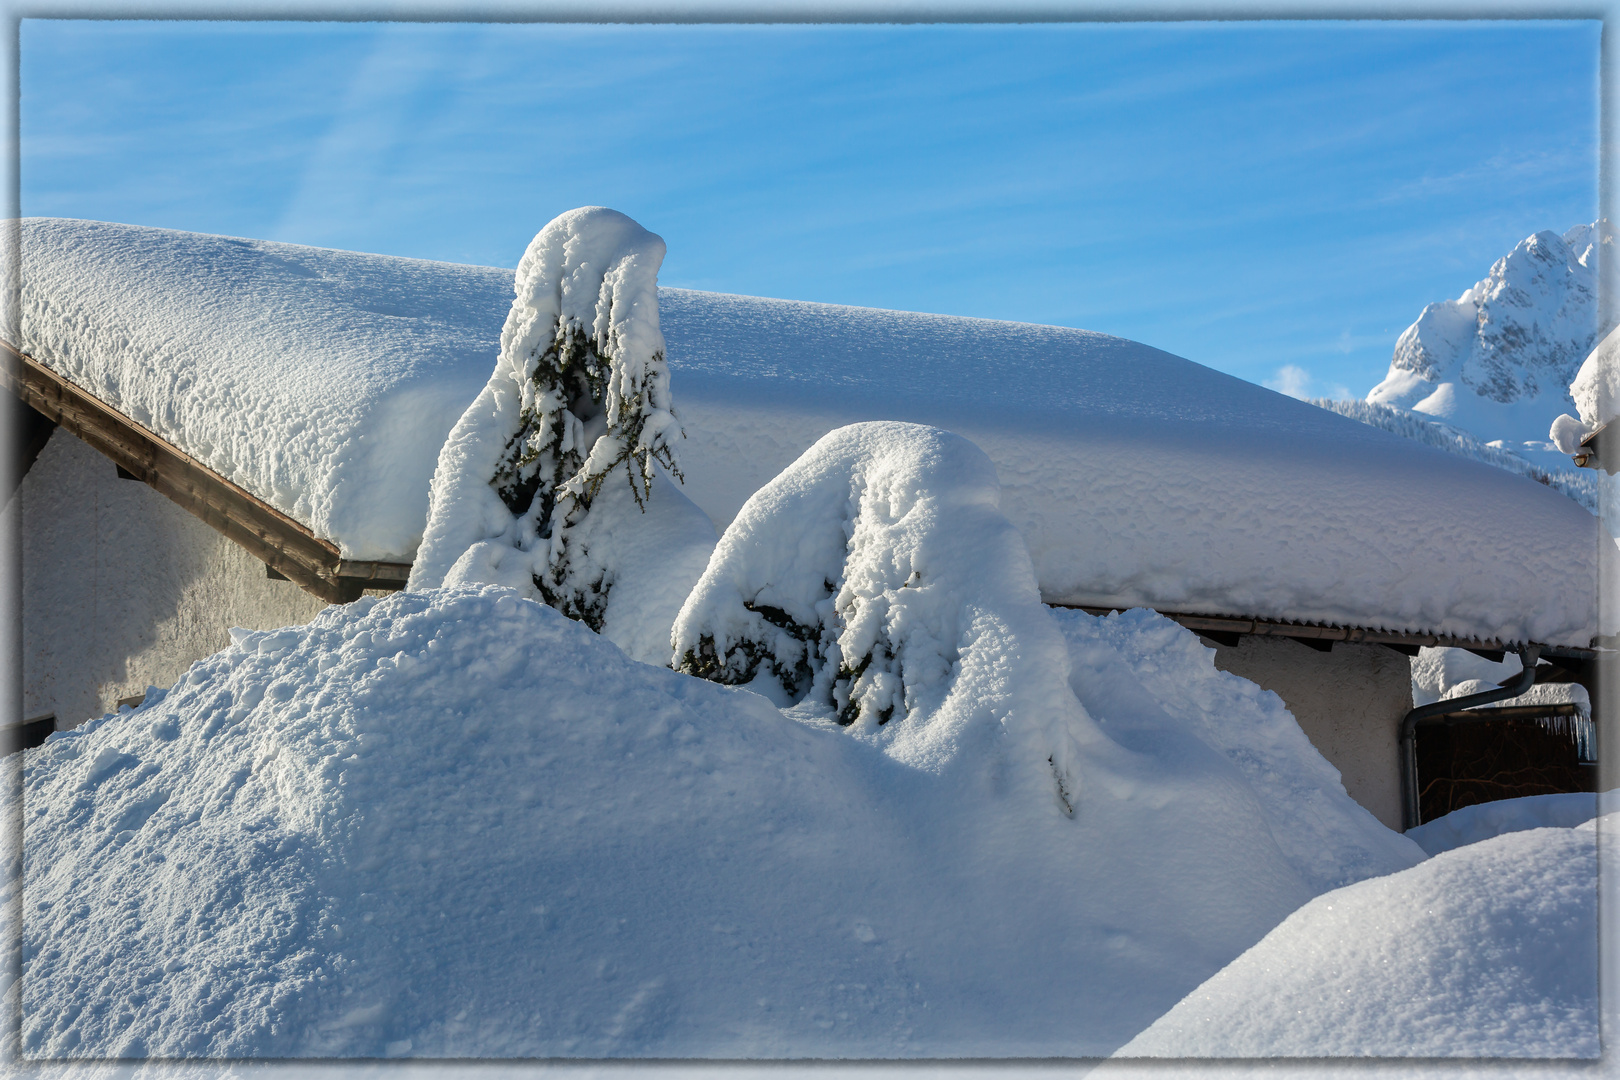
(318,379)
(453,822)
(1472,824)
(554,480)
(1153,688)
(1499,359)
(1489,950)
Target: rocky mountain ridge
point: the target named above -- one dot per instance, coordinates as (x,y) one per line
(1498,360)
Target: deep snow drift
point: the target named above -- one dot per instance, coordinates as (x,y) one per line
(1482,821)
(453,822)
(1488,950)
(556,480)
(1498,360)
(1135,477)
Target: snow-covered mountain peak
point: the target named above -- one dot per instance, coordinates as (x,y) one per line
(1590,242)
(1498,360)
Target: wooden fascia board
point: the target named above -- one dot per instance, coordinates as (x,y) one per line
(280,542)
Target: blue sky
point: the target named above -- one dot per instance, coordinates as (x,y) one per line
(1264,198)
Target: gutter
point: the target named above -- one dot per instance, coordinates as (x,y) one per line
(1410,812)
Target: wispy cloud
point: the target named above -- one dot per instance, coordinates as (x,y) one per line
(1291,380)
(1296,382)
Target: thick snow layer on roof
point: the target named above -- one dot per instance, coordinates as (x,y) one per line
(1139,478)
(325,382)
(1489,950)
(455,823)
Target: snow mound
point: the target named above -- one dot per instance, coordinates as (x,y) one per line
(1498,360)
(877,582)
(1441,674)
(1489,950)
(1152,684)
(538,485)
(455,823)
(1472,824)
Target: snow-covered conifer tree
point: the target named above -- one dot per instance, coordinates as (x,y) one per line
(877,581)
(577,414)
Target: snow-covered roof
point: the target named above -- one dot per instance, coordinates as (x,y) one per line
(325,381)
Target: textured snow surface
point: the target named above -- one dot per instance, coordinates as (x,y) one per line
(1472,824)
(454,822)
(1136,477)
(1488,950)
(1498,360)
(322,381)
(1583,485)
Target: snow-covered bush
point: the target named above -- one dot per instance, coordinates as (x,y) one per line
(876,580)
(573,427)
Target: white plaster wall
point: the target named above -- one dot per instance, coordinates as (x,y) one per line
(1350,703)
(122,589)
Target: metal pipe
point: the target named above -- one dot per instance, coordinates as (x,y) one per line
(1410,813)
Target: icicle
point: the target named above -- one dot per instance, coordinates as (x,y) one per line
(1579,728)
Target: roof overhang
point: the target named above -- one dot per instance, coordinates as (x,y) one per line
(283,544)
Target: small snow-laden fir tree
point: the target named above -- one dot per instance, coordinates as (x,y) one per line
(579,404)
(877,583)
